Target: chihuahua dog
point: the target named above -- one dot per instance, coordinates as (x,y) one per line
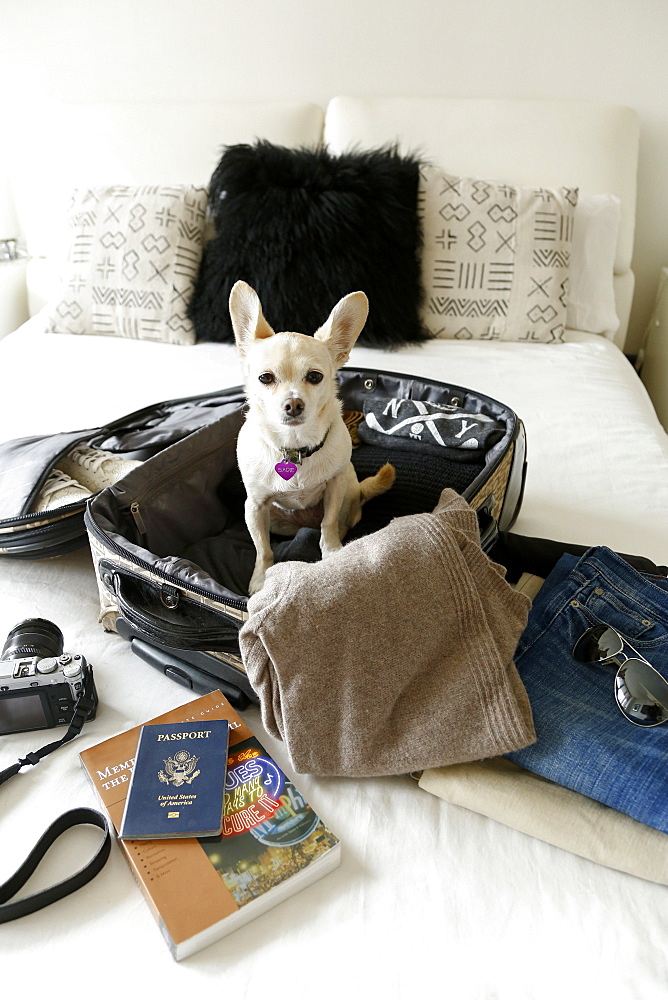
(294,448)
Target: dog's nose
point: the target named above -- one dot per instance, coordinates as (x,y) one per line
(293,407)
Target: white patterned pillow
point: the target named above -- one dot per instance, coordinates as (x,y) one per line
(133,257)
(496,258)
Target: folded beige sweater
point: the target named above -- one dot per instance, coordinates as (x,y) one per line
(394,654)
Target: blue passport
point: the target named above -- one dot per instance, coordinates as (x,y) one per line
(177,787)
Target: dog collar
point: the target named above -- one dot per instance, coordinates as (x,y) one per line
(297,454)
(292,457)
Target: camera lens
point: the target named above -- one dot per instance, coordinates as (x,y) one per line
(33,637)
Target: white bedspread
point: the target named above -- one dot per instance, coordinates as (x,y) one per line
(431,899)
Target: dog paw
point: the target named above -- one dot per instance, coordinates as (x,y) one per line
(329,550)
(256,581)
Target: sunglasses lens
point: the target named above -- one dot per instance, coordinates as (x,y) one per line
(642,693)
(598,643)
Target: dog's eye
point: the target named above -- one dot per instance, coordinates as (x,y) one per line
(314,377)
(266,378)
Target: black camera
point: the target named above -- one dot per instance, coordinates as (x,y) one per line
(40,685)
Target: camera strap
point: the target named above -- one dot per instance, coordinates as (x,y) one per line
(82,816)
(82,709)
(30,904)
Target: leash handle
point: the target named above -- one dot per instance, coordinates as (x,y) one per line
(30,904)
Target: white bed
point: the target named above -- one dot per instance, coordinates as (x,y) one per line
(583,395)
(430,898)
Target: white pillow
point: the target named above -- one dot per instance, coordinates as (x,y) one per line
(496,258)
(591,293)
(133,257)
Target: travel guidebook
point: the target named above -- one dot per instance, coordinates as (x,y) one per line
(272,843)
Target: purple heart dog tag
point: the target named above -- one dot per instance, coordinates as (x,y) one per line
(286,469)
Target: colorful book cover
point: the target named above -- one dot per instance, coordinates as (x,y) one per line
(272,844)
(178,782)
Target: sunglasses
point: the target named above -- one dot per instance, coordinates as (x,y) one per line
(641,692)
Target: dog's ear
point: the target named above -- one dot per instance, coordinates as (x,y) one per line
(344,325)
(248,322)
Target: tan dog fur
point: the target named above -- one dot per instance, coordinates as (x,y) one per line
(291,407)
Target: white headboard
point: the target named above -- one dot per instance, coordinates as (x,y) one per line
(60,146)
(592,146)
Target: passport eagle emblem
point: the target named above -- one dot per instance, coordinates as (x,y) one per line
(180,769)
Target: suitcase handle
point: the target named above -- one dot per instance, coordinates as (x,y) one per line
(168,617)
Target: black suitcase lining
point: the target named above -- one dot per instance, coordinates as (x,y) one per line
(188,501)
(195,511)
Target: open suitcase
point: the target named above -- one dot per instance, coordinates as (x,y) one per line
(171,551)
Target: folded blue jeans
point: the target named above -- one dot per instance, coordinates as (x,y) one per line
(584,742)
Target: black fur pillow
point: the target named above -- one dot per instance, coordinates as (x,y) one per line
(304,228)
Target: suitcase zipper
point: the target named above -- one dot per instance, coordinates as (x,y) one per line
(61,513)
(138,519)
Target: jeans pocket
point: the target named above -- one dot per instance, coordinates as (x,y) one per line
(555,636)
(636,622)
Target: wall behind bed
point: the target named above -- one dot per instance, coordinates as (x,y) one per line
(611,50)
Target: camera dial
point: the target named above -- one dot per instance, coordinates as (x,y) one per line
(47,665)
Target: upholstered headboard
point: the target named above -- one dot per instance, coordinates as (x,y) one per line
(60,146)
(593,146)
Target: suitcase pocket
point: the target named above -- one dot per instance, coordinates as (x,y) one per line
(166,615)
